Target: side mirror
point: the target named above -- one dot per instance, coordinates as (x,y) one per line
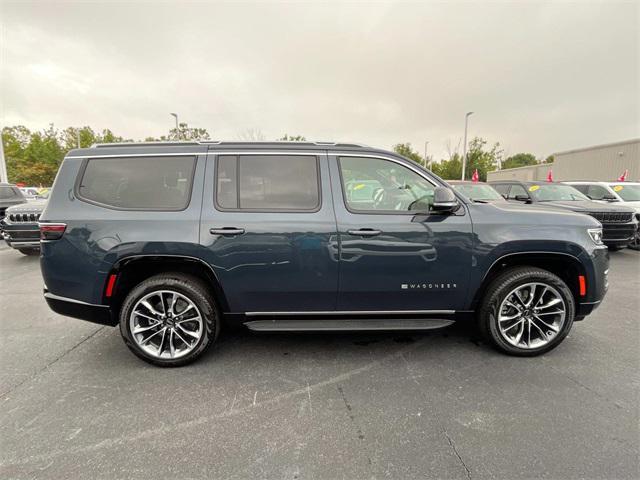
(609,198)
(444,201)
(522,198)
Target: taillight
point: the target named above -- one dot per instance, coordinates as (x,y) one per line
(52,231)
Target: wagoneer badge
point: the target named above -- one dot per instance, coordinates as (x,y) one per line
(428,286)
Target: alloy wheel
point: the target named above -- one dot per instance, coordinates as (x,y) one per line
(166,324)
(531,315)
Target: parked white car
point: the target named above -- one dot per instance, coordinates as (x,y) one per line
(628,193)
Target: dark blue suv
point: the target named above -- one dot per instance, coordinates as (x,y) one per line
(172,241)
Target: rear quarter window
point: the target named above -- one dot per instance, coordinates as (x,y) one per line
(138,183)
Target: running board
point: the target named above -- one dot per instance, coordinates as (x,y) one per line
(346,325)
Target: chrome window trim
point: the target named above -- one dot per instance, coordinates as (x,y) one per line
(386,157)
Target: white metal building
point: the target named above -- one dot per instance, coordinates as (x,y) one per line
(600,162)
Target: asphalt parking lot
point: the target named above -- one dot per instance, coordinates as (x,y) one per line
(76,404)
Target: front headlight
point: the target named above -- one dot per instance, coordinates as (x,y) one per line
(596,235)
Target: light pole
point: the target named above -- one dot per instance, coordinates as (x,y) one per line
(426,162)
(177,125)
(464,156)
(3,165)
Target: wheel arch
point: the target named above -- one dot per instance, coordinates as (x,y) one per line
(565,265)
(132,270)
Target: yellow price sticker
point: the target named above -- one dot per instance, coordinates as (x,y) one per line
(360,186)
(533,188)
(617,188)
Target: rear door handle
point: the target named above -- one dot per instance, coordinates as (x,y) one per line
(226,231)
(364,232)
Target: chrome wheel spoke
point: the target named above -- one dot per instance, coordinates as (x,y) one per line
(145,316)
(519,322)
(146,340)
(550,326)
(164,334)
(187,332)
(188,344)
(149,307)
(172,347)
(174,299)
(190,319)
(553,302)
(504,318)
(557,312)
(138,330)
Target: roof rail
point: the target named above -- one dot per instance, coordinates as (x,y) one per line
(142,144)
(220,142)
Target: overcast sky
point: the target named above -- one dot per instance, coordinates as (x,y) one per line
(542,77)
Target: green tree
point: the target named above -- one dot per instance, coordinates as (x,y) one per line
(448,169)
(292,138)
(406,151)
(480,158)
(520,160)
(549,159)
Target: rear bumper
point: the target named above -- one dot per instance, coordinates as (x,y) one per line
(100,314)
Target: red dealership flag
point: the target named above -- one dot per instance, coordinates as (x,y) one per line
(550,176)
(623,177)
(475,177)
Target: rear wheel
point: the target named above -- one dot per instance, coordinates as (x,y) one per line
(527,311)
(169,320)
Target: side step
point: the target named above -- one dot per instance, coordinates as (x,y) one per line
(346,325)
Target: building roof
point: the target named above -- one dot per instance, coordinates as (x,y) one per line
(595,147)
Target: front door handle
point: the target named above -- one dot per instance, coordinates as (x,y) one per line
(364,232)
(226,231)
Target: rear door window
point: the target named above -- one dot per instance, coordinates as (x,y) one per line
(268,183)
(138,183)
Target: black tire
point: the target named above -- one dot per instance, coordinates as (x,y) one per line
(635,244)
(29,251)
(187,285)
(505,283)
(615,248)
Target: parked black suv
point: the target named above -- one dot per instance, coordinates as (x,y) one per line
(619,223)
(171,240)
(9,195)
(20,226)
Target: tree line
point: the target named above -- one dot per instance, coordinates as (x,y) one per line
(480,156)
(33,157)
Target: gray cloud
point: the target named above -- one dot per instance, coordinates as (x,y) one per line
(541,77)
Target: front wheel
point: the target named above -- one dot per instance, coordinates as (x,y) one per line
(169,320)
(527,311)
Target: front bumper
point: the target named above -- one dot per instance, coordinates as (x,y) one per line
(618,234)
(21,235)
(597,282)
(100,314)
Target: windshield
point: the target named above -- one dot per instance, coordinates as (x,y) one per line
(629,193)
(478,192)
(551,192)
